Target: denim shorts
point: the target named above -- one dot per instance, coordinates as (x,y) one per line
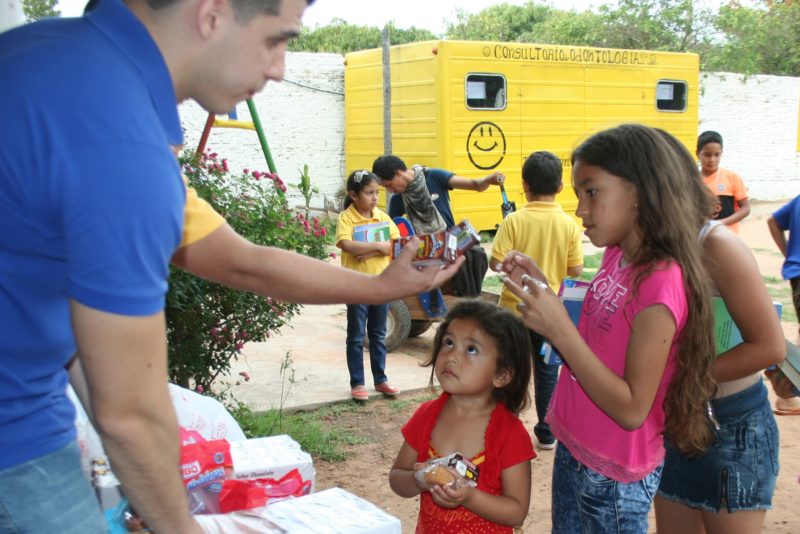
(49,494)
(586,502)
(740,468)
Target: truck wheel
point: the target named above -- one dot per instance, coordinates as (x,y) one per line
(419,327)
(398,325)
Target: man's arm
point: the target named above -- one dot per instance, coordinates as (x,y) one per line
(125,362)
(459,182)
(227,258)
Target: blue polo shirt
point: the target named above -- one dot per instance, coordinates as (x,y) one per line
(91,203)
(788,218)
(438,181)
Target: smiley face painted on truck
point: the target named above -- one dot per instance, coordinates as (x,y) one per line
(486,145)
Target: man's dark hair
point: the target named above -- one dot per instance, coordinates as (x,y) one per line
(709,136)
(244,9)
(542,172)
(385,167)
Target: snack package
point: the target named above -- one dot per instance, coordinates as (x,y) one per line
(453,470)
(442,247)
(205,466)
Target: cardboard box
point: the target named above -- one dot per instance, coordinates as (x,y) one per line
(332,511)
(271,457)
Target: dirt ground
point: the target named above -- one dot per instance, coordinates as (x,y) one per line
(365,472)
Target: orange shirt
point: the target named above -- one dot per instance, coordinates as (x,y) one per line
(729,189)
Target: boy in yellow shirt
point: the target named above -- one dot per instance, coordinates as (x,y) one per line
(543,231)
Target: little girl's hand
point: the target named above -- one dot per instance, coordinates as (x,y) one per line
(449,497)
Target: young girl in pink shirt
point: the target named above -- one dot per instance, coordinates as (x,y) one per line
(637,365)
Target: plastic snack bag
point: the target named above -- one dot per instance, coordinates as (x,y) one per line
(453,470)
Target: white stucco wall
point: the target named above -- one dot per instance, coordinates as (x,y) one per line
(757,118)
(302,126)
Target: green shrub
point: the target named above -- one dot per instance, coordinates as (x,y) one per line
(207,323)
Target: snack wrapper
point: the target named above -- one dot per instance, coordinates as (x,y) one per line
(453,470)
(441,247)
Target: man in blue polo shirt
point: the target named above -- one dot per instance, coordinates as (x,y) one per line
(91,210)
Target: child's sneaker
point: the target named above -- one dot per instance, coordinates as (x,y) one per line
(359,393)
(387,389)
(546,445)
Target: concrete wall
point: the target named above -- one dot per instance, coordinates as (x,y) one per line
(303,125)
(757,117)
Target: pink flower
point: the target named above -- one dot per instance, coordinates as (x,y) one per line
(199,388)
(323,231)
(245,375)
(316,223)
(214,331)
(280,225)
(243,334)
(239,345)
(332,255)
(256,175)
(245,171)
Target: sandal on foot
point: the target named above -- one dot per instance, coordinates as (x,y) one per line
(387,389)
(359,393)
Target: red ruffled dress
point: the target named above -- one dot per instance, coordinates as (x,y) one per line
(506,443)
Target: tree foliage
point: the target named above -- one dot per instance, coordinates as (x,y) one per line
(39,9)
(342,37)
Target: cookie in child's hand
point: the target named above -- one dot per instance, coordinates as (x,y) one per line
(439,475)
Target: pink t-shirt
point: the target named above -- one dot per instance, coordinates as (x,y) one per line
(592,437)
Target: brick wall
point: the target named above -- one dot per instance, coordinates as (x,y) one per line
(302,125)
(757,117)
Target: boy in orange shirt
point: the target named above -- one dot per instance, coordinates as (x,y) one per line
(728,187)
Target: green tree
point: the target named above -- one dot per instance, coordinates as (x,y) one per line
(341,37)
(669,25)
(501,22)
(763,39)
(39,9)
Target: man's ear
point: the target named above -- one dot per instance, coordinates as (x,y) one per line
(502,378)
(210,15)
(559,188)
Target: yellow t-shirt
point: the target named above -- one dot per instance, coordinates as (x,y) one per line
(543,231)
(199,218)
(348,220)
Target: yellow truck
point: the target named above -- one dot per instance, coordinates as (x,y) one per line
(475,107)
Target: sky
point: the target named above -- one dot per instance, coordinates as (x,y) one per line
(428,14)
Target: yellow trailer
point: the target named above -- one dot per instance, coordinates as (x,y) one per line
(475,107)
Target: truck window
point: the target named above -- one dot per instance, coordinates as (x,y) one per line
(485,91)
(671,95)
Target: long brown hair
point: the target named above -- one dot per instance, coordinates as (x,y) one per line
(672,208)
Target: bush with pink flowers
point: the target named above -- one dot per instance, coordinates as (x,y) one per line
(207,323)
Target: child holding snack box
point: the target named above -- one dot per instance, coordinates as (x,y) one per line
(481,359)
(637,366)
(363,233)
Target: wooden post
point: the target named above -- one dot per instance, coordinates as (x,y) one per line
(387,92)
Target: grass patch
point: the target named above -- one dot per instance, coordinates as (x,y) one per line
(313,430)
(780,290)
(492,283)
(766,251)
(590,265)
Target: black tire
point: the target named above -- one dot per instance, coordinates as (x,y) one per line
(398,325)
(418,328)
